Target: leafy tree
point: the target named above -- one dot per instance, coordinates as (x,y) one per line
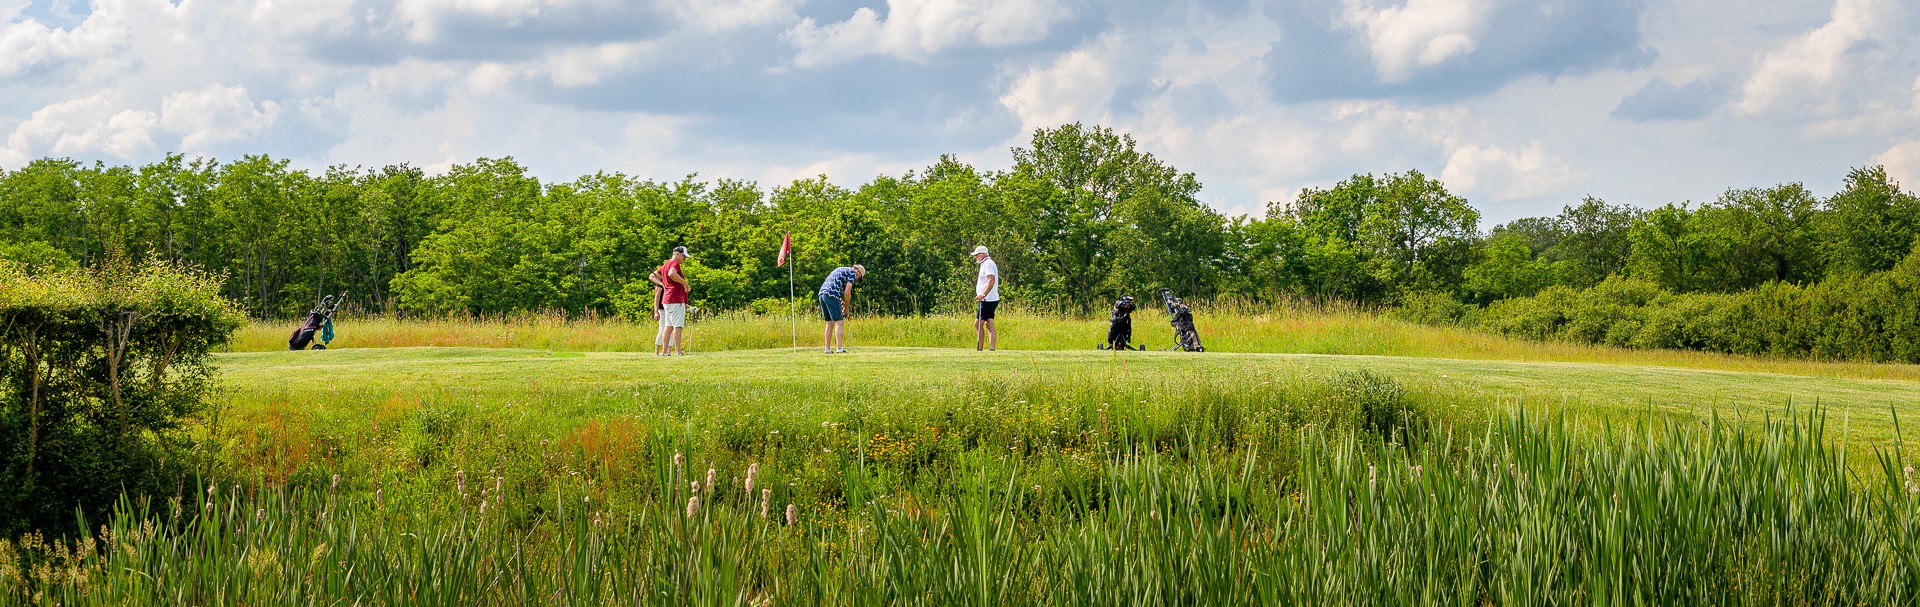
(100,372)
(1872,223)
(1541,234)
(35,257)
(1406,230)
(489,253)
(1592,242)
(1508,268)
(1774,228)
(1671,247)
(42,202)
(1092,172)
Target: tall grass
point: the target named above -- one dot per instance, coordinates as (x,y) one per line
(1292,328)
(1525,510)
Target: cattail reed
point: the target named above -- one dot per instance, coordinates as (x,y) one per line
(693,506)
(793,514)
(752,470)
(766,499)
(710,474)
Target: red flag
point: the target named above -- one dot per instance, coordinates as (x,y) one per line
(786,248)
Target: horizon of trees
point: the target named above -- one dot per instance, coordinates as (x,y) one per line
(1082,216)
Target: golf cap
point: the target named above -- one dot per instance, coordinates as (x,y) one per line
(681,250)
(979,250)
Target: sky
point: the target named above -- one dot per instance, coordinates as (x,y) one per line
(1522,106)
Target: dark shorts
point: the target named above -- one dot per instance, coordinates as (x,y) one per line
(830,308)
(987,308)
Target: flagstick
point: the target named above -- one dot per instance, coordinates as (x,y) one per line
(793,311)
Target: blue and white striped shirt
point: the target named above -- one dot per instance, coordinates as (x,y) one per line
(837,281)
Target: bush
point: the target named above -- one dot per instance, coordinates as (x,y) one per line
(36,257)
(1871,317)
(99,373)
(1432,308)
(1379,403)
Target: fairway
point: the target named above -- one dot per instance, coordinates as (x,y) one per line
(1595,392)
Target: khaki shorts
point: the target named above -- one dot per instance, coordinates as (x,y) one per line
(673,315)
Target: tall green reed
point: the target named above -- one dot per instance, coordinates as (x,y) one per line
(1526,509)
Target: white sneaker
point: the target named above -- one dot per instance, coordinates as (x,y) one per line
(840,351)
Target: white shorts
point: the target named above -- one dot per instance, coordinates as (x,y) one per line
(673,315)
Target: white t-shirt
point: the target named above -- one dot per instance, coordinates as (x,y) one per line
(988,268)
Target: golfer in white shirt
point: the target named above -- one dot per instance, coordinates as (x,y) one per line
(986,291)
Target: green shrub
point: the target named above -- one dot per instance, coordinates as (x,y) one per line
(1871,317)
(1432,308)
(99,372)
(1379,403)
(36,257)
(778,306)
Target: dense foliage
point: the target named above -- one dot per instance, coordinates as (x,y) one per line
(1872,317)
(1082,215)
(99,371)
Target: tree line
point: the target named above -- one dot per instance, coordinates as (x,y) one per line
(1083,215)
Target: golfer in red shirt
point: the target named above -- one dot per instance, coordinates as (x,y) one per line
(672,304)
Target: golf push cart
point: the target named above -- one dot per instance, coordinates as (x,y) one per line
(319,323)
(1120,325)
(1185,338)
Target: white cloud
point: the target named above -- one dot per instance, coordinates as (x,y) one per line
(1378,128)
(27,44)
(915,29)
(1420,33)
(1806,72)
(428,20)
(1503,174)
(90,125)
(1074,87)
(215,114)
(747,88)
(580,66)
(730,14)
(1903,163)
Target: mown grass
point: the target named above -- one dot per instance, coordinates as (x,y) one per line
(1298,329)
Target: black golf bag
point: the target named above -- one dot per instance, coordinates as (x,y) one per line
(319,321)
(1120,326)
(1184,336)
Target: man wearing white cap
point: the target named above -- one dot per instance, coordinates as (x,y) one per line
(986,291)
(671,304)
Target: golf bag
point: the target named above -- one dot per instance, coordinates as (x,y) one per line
(319,322)
(1120,326)
(1184,336)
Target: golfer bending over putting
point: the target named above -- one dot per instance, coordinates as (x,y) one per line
(834,295)
(986,290)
